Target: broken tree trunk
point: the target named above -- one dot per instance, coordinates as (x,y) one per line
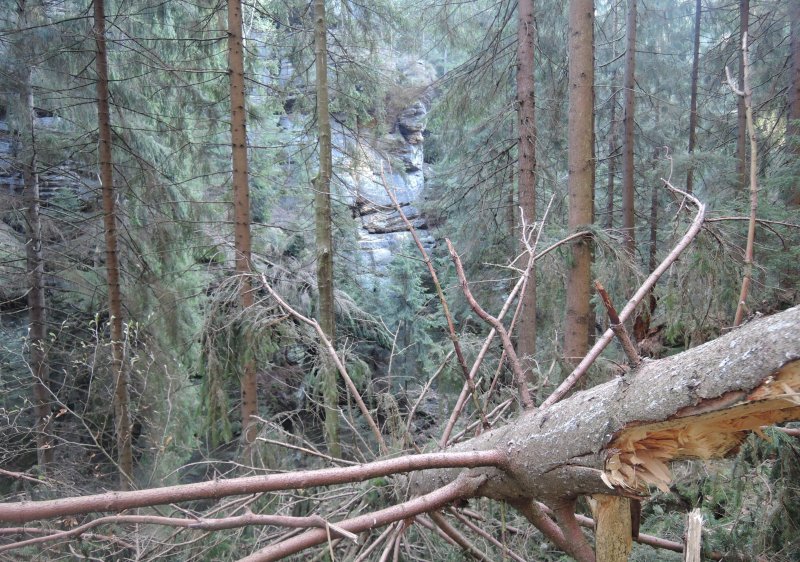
(612,440)
(619,437)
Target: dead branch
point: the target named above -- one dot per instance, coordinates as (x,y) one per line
(640,294)
(519,286)
(23,512)
(747,95)
(458,538)
(464,486)
(486,536)
(335,357)
(618,327)
(445,309)
(200,523)
(508,346)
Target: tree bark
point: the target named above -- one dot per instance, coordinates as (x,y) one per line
(37,311)
(693,99)
(526,128)
(698,404)
(614,439)
(746,94)
(122,416)
(581,175)
(241,211)
(324,235)
(612,158)
(628,187)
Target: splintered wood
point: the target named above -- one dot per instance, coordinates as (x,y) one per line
(640,455)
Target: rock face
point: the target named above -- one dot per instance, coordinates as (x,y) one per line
(64,183)
(395,159)
(65,178)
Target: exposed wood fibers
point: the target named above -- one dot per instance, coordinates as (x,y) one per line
(640,455)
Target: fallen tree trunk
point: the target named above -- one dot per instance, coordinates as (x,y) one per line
(614,439)
(618,437)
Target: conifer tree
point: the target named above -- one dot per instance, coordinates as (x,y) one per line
(37,310)
(581,174)
(629,122)
(526,176)
(324,235)
(241,206)
(693,96)
(121,396)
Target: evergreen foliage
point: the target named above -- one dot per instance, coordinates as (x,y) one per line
(185,339)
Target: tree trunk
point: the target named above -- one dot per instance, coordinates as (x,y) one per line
(122,416)
(37,334)
(693,100)
(581,174)
(324,235)
(612,158)
(526,125)
(699,404)
(241,211)
(614,439)
(628,187)
(613,531)
(746,94)
(741,110)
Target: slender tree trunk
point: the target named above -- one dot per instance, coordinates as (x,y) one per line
(581,174)
(693,101)
(37,334)
(122,416)
(793,124)
(612,159)
(613,139)
(526,178)
(747,95)
(741,110)
(324,236)
(628,187)
(511,207)
(241,212)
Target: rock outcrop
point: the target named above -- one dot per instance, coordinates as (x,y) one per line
(370,166)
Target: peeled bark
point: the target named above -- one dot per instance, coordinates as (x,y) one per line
(526,128)
(581,175)
(618,437)
(122,418)
(241,211)
(614,439)
(628,187)
(324,235)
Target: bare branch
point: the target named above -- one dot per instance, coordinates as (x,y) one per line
(203,524)
(22,512)
(618,327)
(335,357)
(445,309)
(463,486)
(513,360)
(462,541)
(643,291)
